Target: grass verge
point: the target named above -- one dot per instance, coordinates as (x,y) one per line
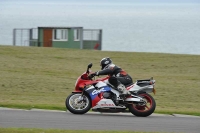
(31,130)
(33,77)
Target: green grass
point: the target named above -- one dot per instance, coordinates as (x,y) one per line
(32,130)
(33,77)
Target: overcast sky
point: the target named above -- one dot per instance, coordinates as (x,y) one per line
(138,1)
(123,1)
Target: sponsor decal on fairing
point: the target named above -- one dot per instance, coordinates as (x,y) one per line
(98,91)
(108,105)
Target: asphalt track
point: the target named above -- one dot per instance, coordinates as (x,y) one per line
(98,121)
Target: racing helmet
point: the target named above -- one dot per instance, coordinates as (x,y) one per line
(105,62)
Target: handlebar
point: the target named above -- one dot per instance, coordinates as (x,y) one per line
(91,76)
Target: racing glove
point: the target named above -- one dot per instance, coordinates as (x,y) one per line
(92,75)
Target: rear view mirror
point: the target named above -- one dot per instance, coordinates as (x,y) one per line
(90,65)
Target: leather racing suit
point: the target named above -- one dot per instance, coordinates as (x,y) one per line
(117,75)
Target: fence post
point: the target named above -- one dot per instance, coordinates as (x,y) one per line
(81,38)
(21,37)
(30,37)
(14,32)
(100,39)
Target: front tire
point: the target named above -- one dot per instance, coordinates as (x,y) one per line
(78,107)
(143,110)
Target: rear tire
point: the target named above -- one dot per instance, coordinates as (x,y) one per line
(76,107)
(146,110)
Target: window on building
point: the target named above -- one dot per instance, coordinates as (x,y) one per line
(77,34)
(60,34)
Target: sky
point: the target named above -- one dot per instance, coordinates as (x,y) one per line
(139,1)
(114,1)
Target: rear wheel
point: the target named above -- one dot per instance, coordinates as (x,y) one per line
(78,104)
(146,109)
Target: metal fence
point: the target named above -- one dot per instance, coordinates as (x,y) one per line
(92,38)
(91,34)
(24,37)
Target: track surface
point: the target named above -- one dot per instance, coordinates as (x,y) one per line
(97,121)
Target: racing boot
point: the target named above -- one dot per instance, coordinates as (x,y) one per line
(122,89)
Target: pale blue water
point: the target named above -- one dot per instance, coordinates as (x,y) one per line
(165,28)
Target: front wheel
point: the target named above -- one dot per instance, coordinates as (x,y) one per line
(77,106)
(143,110)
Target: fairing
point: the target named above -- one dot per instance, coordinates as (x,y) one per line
(96,95)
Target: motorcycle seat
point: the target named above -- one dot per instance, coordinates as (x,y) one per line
(144,82)
(129,84)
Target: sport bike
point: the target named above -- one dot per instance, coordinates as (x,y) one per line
(99,95)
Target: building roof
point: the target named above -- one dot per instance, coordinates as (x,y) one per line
(60,27)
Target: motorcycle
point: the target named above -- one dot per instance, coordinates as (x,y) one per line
(100,96)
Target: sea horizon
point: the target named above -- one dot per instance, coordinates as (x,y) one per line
(136,27)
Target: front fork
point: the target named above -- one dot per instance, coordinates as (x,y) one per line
(81,98)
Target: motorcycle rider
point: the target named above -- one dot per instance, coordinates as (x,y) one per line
(117,76)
